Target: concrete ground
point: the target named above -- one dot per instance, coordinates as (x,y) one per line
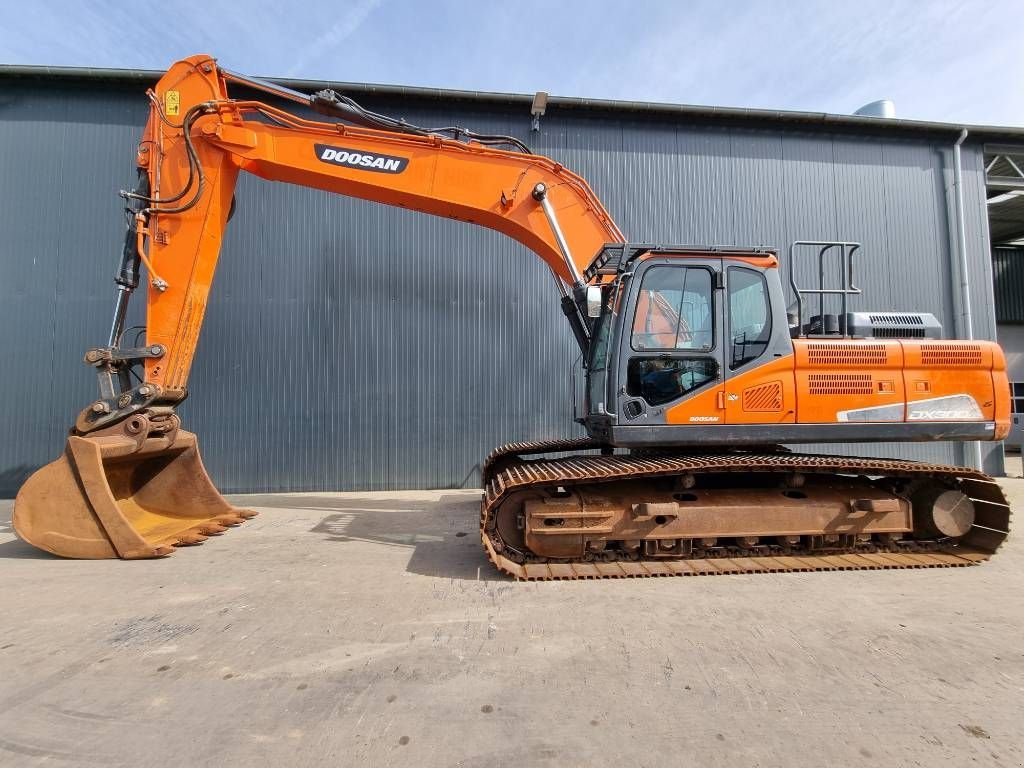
(1013,465)
(367,629)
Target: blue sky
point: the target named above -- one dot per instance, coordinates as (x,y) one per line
(955,60)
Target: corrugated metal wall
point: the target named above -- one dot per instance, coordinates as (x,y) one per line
(353,346)
(1008,280)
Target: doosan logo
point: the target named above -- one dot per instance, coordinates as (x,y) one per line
(365,161)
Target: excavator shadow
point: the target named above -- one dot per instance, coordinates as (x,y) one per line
(16,549)
(443,534)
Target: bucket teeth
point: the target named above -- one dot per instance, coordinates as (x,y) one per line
(230,520)
(212,529)
(190,538)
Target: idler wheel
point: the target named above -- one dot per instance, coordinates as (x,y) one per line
(940,512)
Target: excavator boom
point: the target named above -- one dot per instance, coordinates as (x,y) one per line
(217,137)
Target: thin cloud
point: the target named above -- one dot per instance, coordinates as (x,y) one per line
(335,34)
(938,59)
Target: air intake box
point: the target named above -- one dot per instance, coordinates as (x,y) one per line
(893,325)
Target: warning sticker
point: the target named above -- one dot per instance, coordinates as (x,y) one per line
(172,103)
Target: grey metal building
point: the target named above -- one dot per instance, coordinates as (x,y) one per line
(353,346)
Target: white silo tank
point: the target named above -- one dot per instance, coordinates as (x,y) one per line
(880,108)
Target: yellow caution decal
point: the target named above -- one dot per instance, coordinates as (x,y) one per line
(172,103)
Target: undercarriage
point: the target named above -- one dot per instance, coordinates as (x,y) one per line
(673,513)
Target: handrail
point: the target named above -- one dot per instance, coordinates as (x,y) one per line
(846,251)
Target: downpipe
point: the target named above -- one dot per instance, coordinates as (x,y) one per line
(972,452)
(966,320)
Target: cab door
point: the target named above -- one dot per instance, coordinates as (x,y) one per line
(670,365)
(758,352)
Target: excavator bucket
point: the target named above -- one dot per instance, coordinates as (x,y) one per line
(123,496)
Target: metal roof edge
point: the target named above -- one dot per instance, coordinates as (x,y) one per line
(828,120)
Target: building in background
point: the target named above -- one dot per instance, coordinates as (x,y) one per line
(383,349)
(1008,277)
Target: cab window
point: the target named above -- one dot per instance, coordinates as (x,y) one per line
(674,310)
(660,380)
(602,332)
(750,325)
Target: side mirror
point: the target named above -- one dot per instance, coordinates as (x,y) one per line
(594,301)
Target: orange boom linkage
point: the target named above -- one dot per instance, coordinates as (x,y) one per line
(695,371)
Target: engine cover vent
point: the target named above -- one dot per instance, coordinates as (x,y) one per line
(893,325)
(951,355)
(851,354)
(840,384)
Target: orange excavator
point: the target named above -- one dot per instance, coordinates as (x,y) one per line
(697,371)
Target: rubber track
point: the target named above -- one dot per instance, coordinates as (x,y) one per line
(991,528)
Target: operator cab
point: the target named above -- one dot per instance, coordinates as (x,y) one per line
(675,326)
